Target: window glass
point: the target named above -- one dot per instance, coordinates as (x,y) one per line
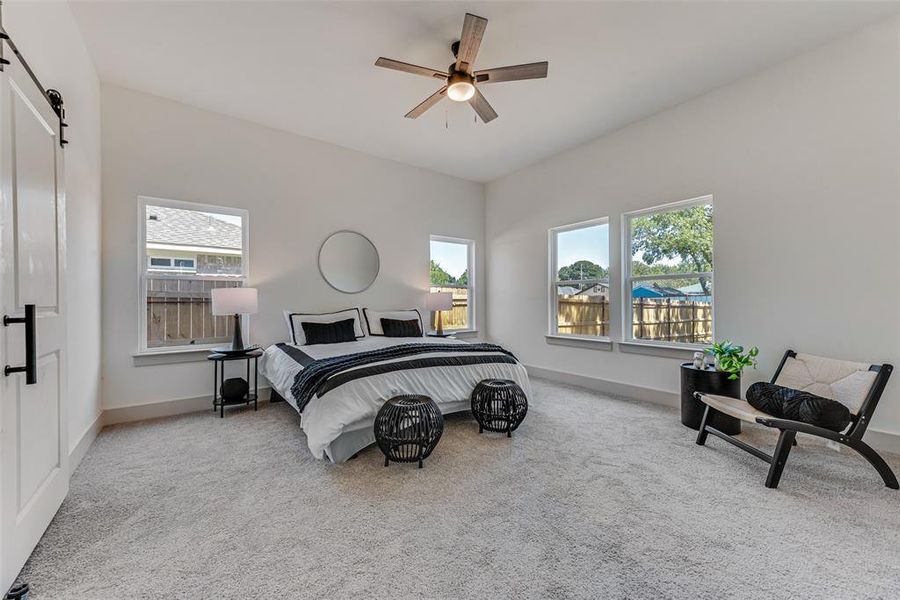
(580,289)
(451,266)
(189,253)
(669,282)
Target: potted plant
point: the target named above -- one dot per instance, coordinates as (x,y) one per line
(731,358)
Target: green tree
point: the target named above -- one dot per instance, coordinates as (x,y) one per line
(641,268)
(439,276)
(684,234)
(464,278)
(582,269)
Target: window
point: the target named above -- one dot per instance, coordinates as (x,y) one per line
(668,273)
(158,263)
(453,270)
(579,279)
(186,250)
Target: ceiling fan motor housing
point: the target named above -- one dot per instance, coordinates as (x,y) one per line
(460,77)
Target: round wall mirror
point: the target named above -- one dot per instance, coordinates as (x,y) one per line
(348,261)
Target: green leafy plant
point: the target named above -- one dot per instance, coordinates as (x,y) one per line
(730,358)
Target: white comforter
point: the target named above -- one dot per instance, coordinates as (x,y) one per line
(325,418)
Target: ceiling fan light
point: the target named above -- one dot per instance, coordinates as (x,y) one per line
(460,86)
(460,92)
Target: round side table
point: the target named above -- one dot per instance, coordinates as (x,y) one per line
(708,381)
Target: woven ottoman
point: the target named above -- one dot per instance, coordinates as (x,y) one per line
(499,405)
(407,428)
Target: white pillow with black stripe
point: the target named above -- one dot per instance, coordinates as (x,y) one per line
(295,329)
(373,318)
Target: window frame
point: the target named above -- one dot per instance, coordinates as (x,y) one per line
(628,279)
(470,288)
(553,272)
(143,267)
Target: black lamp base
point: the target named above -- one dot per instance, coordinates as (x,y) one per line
(237,342)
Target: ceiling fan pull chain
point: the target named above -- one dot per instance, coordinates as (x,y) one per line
(446,119)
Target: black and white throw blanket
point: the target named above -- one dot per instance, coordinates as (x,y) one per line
(319,377)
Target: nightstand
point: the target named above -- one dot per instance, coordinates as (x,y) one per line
(219,361)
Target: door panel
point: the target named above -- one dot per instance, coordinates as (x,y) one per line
(34,467)
(34,203)
(38,436)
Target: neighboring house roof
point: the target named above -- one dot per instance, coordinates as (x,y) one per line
(191,228)
(693,293)
(655,291)
(587,289)
(694,288)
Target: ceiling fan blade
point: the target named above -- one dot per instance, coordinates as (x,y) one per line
(481,106)
(397,65)
(427,103)
(536,70)
(470,41)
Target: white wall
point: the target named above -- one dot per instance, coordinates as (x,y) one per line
(298,191)
(48,37)
(804,162)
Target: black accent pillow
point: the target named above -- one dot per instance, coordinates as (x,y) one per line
(329,333)
(398,328)
(796,405)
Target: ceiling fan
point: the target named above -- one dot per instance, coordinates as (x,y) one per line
(460,79)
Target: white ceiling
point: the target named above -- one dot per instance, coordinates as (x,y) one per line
(308,67)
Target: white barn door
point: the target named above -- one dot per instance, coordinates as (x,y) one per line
(34,469)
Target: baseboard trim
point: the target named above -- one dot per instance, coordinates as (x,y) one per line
(77,453)
(884,441)
(616,388)
(164,408)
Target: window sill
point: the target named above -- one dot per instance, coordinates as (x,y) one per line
(465,332)
(577,341)
(170,356)
(679,351)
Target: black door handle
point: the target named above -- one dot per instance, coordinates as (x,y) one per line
(30,368)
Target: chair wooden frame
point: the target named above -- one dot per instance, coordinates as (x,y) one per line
(851,438)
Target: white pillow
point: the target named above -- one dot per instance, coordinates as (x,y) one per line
(295,329)
(373,318)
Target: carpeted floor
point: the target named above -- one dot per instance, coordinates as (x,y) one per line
(593,497)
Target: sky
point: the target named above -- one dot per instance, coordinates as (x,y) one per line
(452,257)
(590,243)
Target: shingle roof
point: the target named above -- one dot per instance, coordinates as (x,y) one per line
(190,228)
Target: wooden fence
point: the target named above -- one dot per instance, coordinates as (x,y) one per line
(458,316)
(179,312)
(661,319)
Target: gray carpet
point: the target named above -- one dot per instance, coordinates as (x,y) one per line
(593,497)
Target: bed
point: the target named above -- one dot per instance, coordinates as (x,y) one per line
(346,383)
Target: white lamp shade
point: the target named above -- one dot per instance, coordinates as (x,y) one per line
(234,301)
(439,301)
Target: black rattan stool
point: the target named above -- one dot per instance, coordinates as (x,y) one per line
(499,405)
(407,428)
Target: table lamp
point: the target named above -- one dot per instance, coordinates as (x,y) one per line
(235,301)
(438,301)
